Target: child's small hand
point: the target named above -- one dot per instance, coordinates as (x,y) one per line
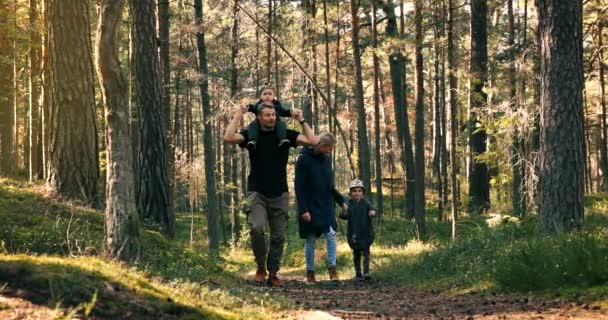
(345,206)
(372,213)
(244,108)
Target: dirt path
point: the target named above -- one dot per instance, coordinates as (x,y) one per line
(375,300)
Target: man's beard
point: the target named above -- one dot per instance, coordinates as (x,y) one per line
(267,127)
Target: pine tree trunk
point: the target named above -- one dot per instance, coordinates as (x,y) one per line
(35,124)
(306,99)
(562,155)
(327,65)
(121,219)
(234,81)
(479,182)
(165,68)
(154,182)
(526,171)
(601,67)
(419,138)
(453,100)
(165,65)
(516,158)
(397,70)
(73,151)
(269,45)
(444,125)
(7,111)
(213,228)
(376,62)
(362,144)
(437,107)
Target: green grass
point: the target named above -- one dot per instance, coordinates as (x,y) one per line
(51,251)
(511,256)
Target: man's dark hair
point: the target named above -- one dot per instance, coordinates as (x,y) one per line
(265,105)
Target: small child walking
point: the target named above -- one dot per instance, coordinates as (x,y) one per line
(253,130)
(360,232)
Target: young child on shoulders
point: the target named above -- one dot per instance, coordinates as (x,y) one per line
(360,232)
(253,130)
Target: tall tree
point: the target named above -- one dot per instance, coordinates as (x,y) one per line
(234,86)
(73,165)
(35,124)
(213,229)
(453,100)
(562,156)
(269,45)
(516,159)
(601,68)
(479,181)
(165,64)
(121,219)
(7,111)
(419,137)
(363,147)
(154,200)
(376,63)
(397,70)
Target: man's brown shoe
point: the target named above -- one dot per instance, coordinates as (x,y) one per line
(310,277)
(273,281)
(333,274)
(260,275)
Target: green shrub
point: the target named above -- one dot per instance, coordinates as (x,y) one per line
(577,259)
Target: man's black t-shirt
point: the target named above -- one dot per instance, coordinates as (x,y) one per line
(268,173)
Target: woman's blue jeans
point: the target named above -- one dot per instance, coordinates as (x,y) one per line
(332,248)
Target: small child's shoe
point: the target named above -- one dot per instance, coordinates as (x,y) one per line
(367,277)
(358,277)
(284,145)
(251,145)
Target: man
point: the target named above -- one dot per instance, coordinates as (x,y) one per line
(267,197)
(315,194)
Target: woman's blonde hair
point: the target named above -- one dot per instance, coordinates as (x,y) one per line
(327,138)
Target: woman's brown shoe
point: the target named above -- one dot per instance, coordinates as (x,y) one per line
(310,277)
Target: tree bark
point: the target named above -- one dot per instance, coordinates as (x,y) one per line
(362,144)
(7,111)
(213,228)
(479,182)
(601,67)
(154,182)
(234,78)
(419,138)
(35,124)
(516,158)
(453,100)
(562,155)
(121,238)
(397,70)
(73,151)
(269,46)
(376,62)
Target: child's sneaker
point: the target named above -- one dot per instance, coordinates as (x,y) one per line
(284,145)
(358,277)
(367,277)
(251,146)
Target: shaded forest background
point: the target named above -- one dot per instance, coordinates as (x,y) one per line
(437,104)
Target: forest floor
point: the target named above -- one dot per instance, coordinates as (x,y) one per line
(50,268)
(380,300)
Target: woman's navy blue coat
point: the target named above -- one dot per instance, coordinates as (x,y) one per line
(315,193)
